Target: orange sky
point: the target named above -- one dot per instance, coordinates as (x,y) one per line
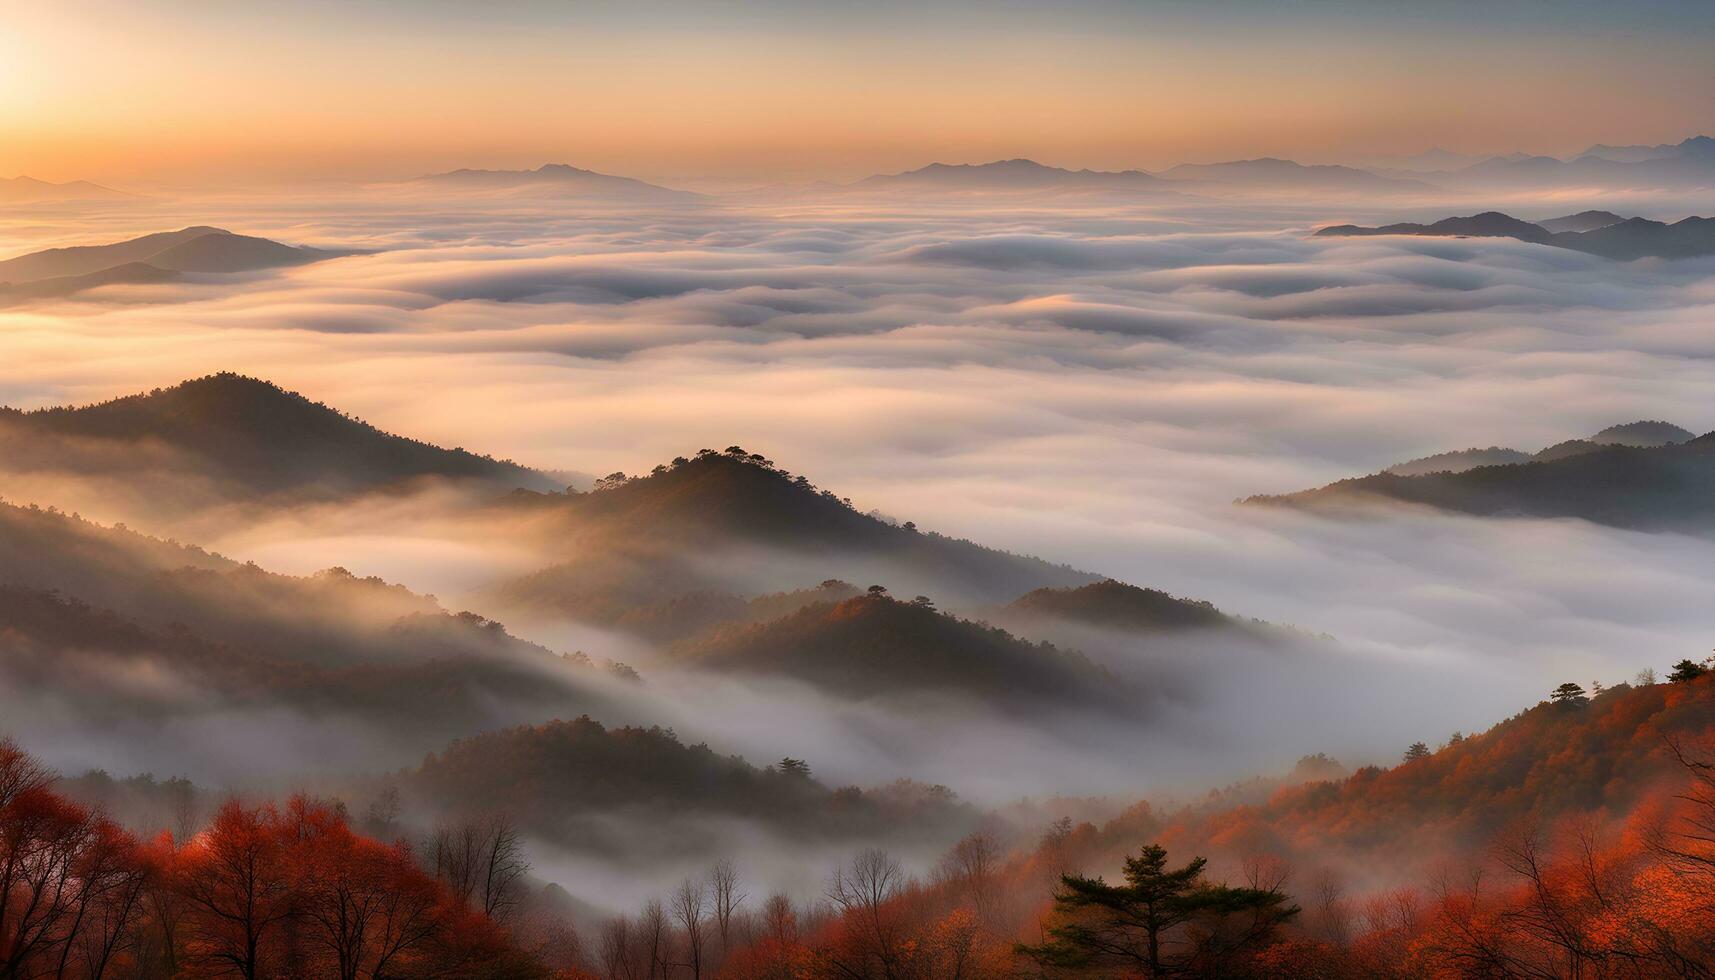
(183,91)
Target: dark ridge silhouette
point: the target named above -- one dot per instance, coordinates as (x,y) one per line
(1668,487)
(55,287)
(1010,175)
(651,538)
(1643,435)
(329,618)
(687,614)
(1489,224)
(1458,461)
(1638,238)
(251,438)
(196,249)
(565,780)
(94,660)
(875,646)
(1625,240)
(1112,604)
(557,179)
(90,610)
(1582,221)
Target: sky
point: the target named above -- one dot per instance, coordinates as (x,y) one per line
(177,92)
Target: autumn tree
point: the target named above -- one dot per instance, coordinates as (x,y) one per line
(238,889)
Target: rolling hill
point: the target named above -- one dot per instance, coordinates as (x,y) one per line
(226,438)
(119,629)
(874,646)
(564,780)
(1630,479)
(1111,604)
(670,533)
(198,249)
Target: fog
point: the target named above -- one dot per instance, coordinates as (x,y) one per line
(1092,385)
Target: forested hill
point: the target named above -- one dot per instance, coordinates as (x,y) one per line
(1669,487)
(654,537)
(565,779)
(876,646)
(1112,604)
(234,437)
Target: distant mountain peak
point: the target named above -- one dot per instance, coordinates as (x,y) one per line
(554,178)
(1647,433)
(1016,174)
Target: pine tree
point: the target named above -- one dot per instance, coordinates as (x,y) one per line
(1134,925)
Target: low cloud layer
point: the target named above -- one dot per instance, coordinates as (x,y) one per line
(1095,389)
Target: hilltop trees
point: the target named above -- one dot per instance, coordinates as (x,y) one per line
(1687,670)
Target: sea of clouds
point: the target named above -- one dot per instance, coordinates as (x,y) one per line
(1092,384)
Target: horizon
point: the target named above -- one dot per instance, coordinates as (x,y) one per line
(763,91)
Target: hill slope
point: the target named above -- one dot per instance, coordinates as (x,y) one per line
(1112,604)
(567,781)
(230,437)
(196,249)
(874,646)
(664,535)
(1669,487)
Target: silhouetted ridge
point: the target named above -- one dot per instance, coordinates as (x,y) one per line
(1115,605)
(1631,238)
(251,433)
(1645,435)
(645,536)
(565,780)
(1659,487)
(873,646)
(1582,221)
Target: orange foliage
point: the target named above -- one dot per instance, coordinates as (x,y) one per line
(263,892)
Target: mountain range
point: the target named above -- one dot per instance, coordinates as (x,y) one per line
(1589,231)
(1647,475)
(1011,176)
(160,257)
(1289,175)
(552,180)
(1684,165)
(652,556)
(29,190)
